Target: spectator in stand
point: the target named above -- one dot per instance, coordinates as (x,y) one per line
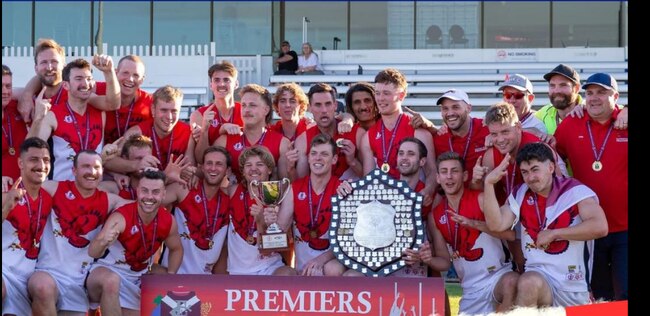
(308,63)
(287,61)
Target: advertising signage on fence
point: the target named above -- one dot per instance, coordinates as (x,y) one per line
(202,295)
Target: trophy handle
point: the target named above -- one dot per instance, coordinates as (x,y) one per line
(285,189)
(253,189)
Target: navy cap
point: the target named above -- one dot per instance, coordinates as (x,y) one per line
(563,70)
(602,79)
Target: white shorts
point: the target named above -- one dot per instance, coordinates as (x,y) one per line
(483,300)
(17,300)
(266,271)
(129,289)
(563,298)
(72,295)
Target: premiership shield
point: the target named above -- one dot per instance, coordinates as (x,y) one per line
(373,225)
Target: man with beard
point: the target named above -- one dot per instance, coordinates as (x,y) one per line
(202,214)
(78,211)
(458,224)
(563,92)
(309,206)
(466,135)
(49,59)
(25,208)
(74,126)
(140,228)
(223,116)
(247,219)
(560,217)
(14,132)
(322,104)
(599,156)
(170,136)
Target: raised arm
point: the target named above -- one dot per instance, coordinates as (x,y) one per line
(498,219)
(113,227)
(112,100)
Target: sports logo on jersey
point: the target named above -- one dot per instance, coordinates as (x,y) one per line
(443,219)
(22,201)
(214,123)
(239,146)
(70,195)
(67,119)
(378,135)
(197,198)
(134,229)
(302,196)
(530,200)
(241,196)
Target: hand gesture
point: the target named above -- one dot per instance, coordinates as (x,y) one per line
(501,170)
(479,170)
(111,234)
(41,105)
(231,129)
(15,194)
(348,149)
(111,151)
(175,168)
(346,122)
(196,132)
(103,62)
(6,183)
(292,155)
(344,189)
(419,121)
(208,116)
(148,161)
(460,219)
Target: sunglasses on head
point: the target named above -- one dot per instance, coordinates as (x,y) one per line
(517,95)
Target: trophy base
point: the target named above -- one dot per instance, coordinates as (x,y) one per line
(274,242)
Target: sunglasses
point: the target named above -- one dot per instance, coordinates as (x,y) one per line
(517,95)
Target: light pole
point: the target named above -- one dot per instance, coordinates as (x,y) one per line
(305,20)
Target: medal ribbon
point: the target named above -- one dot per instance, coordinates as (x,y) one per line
(541,224)
(455,235)
(384,152)
(209,231)
(29,212)
(510,182)
(251,224)
(598,155)
(155,143)
(469,136)
(128,119)
(153,239)
(312,218)
(8,135)
(244,140)
(83,144)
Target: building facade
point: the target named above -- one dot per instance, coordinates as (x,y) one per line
(251,28)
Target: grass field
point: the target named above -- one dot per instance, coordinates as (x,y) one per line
(454,291)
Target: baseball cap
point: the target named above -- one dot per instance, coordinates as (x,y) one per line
(602,79)
(564,70)
(454,94)
(285,43)
(518,82)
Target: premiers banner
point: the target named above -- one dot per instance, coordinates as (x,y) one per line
(201,295)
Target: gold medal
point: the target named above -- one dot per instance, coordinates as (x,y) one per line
(11,151)
(250,240)
(313,234)
(385,167)
(210,244)
(597,166)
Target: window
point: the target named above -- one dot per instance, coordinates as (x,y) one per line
(125,23)
(599,28)
(181,23)
(510,24)
(67,22)
(381,25)
(328,20)
(242,28)
(464,14)
(16,23)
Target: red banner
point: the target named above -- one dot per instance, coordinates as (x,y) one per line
(201,295)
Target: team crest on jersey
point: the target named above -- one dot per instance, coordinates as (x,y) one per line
(530,200)
(241,196)
(67,119)
(214,123)
(22,201)
(70,195)
(378,135)
(443,219)
(197,198)
(134,229)
(239,146)
(302,196)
